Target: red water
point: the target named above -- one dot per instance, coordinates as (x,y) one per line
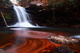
(32,42)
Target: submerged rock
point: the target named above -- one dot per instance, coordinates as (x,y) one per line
(64,49)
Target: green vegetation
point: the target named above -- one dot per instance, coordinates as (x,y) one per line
(61,3)
(7,16)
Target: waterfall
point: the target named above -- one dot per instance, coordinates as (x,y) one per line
(23,17)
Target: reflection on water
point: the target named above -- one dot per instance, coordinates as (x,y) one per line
(33,41)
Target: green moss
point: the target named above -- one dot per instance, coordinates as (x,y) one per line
(7,16)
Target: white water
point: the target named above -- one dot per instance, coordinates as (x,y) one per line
(76,36)
(23,17)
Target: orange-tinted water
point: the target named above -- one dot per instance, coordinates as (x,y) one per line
(28,41)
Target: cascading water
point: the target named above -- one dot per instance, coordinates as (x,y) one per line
(23,17)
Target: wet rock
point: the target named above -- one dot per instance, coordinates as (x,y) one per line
(64,49)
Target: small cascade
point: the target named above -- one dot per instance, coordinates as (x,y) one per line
(23,17)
